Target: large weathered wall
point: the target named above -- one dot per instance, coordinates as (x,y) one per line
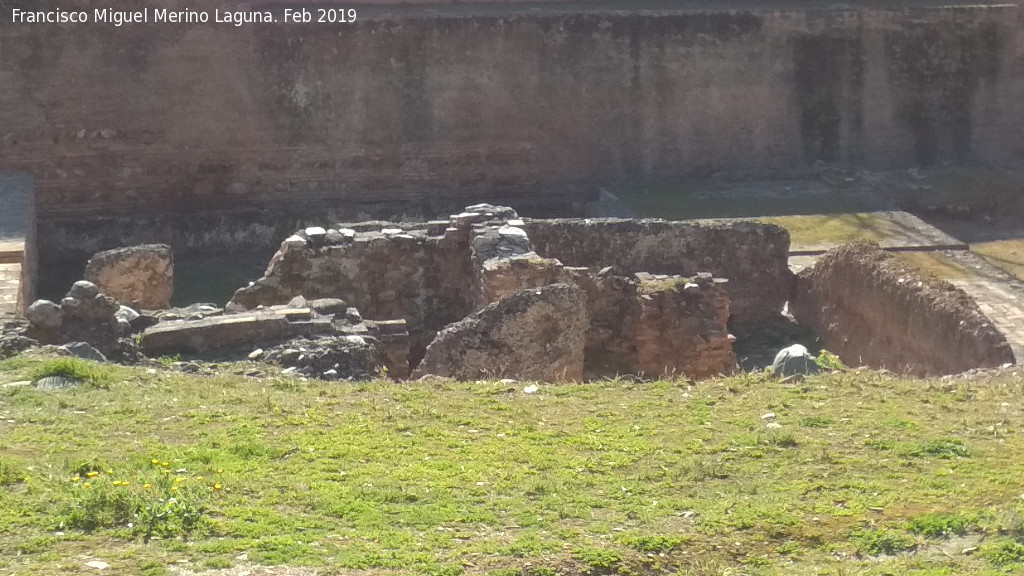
(511,102)
(872,310)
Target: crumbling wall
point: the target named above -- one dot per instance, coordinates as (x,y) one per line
(387,273)
(656,325)
(436,273)
(504,261)
(872,310)
(754,257)
(532,334)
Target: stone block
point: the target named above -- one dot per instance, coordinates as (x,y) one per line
(220,332)
(137,276)
(536,334)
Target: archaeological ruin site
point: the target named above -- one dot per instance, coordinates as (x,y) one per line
(511,288)
(563,191)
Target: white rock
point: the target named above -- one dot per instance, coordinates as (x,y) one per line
(768,416)
(127,313)
(256,354)
(97,564)
(773,426)
(315,231)
(294,241)
(391,231)
(512,231)
(531,389)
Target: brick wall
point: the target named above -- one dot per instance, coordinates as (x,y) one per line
(483,102)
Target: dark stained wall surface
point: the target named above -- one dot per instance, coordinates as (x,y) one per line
(462,102)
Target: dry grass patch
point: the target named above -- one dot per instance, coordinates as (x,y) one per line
(811,231)
(1006,254)
(934,263)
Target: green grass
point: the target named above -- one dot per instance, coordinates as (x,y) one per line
(88,372)
(868,474)
(808,231)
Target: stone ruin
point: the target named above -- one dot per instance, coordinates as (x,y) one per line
(655,294)
(486,294)
(871,309)
(138,276)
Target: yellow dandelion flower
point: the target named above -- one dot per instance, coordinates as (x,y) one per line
(92,474)
(76,479)
(146,486)
(217,486)
(174,488)
(87,484)
(110,471)
(154,462)
(164,464)
(179,480)
(220,470)
(26,480)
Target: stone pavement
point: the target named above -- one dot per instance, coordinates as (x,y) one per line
(999,295)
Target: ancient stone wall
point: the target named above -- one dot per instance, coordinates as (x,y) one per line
(872,310)
(407,104)
(435,273)
(753,257)
(387,273)
(656,326)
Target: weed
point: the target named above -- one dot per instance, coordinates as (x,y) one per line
(599,560)
(88,372)
(945,448)
(10,474)
(875,542)
(789,549)
(816,422)
(776,438)
(169,361)
(651,543)
(1003,552)
(829,361)
(156,503)
(939,525)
